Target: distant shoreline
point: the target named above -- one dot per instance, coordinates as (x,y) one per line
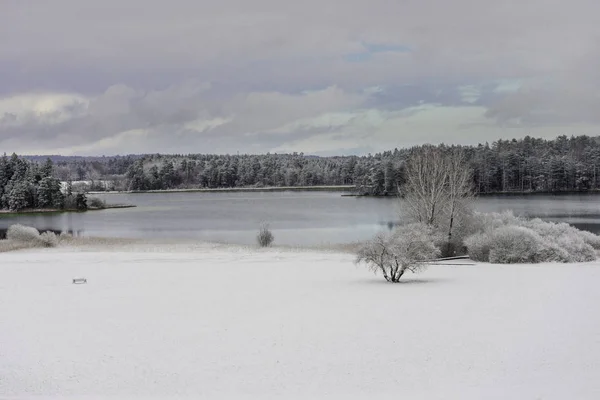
(350,189)
(60,211)
(334,188)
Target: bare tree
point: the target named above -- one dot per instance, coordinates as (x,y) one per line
(265,237)
(393,254)
(459,187)
(438,188)
(424,191)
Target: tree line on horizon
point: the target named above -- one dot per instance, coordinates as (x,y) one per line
(517,165)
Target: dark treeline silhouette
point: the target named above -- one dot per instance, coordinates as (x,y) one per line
(524,165)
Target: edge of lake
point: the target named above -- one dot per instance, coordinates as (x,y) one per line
(336,188)
(9,213)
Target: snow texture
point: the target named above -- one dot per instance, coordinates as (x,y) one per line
(240,323)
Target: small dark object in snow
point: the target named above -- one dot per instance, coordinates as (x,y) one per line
(79,280)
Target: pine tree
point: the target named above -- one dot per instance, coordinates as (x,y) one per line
(47,169)
(45,192)
(81,201)
(391,182)
(17,198)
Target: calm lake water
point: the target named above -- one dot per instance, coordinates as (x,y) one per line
(296,218)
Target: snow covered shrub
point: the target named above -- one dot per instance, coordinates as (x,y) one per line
(403,250)
(482,222)
(549,229)
(23,234)
(9,245)
(579,245)
(49,239)
(552,252)
(505,238)
(577,248)
(30,237)
(514,244)
(591,239)
(265,236)
(478,246)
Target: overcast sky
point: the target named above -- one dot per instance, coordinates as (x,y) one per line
(314,76)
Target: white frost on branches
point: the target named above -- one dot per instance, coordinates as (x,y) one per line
(505,238)
(393,254)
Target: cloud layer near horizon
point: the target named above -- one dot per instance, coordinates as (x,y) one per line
(333,77)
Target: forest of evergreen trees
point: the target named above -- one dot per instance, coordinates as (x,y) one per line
(31,185)
(524,165)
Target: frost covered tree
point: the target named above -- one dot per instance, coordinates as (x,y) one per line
(46,192)
(438,189)
(424,191)
(17,197)
(405,249)
(459,190)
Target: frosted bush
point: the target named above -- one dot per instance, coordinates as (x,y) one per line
(578,244)
(49,239)
(579,250)
(550,229)
(9,245)
(65,237)
(514,244)
(23,234)
(478,246)
(552,252)
(28,236)
(491,221)
(403,250)
(505,238)
(591,239)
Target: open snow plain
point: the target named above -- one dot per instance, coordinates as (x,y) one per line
(221,322)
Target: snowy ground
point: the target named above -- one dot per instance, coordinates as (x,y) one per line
(234,323)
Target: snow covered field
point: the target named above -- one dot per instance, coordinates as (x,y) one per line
(169,322)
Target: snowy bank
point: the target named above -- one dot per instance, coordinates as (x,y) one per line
(217,322)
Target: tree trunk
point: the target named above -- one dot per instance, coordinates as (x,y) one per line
(448,245)
(396,277)
(385,275)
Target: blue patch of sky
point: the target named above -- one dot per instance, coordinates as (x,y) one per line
(398,97)
(373,48)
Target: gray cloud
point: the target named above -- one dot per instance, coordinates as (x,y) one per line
(143,75)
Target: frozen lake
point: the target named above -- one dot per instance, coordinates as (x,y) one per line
(296,218)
